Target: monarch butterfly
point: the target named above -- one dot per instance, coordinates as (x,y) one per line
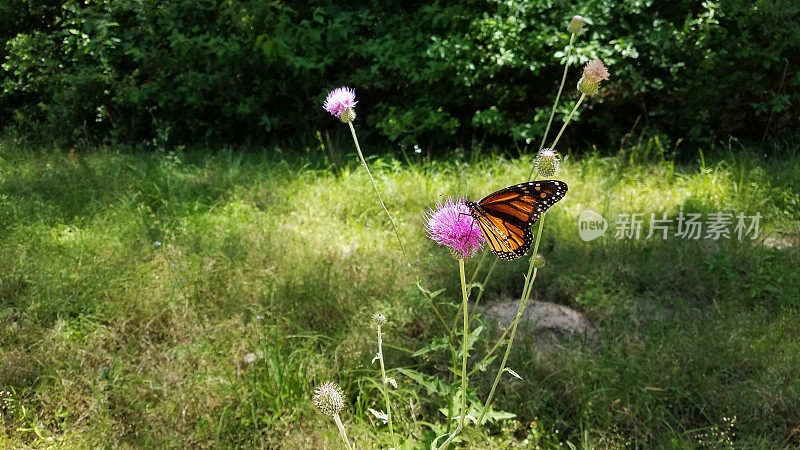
(506,216)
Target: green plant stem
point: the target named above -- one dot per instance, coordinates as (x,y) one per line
(532,271)
(378,194)
(450,438)
(526,291)
(555,104)
(341,430)
(463,357)
(394,227)
(483,288)
(566,122)
(480,290)
(385,383)
(466,333)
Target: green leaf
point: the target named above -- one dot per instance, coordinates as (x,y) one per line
(436,344)
(432,385)
(432,295)
(472,337)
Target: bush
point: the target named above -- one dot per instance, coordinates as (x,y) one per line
(438,74)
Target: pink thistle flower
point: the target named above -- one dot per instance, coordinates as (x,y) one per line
(340,102)
(451,224)
(593,73)
(595,70)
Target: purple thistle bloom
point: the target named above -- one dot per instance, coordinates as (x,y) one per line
(339,101)
(452,224)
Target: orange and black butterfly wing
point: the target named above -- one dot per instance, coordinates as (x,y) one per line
(506,240)
(506,216)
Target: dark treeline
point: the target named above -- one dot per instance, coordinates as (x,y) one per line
(432,72)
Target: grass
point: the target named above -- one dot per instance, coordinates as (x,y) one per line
(270,269)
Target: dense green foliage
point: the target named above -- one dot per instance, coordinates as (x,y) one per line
(446,73)
(269,270)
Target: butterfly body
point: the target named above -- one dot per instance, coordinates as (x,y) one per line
(505,217)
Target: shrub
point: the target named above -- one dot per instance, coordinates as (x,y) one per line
(438,73)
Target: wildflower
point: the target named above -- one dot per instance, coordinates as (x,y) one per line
(378,319)
(593,73)
(547,162)
(158,243)
(340,102)
(250,358)
(328,398)
(575,25)
(451,224)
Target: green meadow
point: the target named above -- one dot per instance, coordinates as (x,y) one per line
(194,298)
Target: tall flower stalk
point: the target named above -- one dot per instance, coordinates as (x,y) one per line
(526,292)
(452,225)
(464,375)
(341,103)
(329,400)
(546,165)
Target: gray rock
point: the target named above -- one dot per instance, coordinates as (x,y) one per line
(558,320)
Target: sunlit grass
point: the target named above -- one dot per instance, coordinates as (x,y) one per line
(108,337)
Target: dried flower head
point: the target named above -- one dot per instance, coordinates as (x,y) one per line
(340,102)
(547,162)
(593,73)
(378,319)
(328,398)
(575,25)
(451,224)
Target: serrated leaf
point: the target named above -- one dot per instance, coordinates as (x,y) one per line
(432,385)
(432,295)
(436,344)
(471,339)
(474,285)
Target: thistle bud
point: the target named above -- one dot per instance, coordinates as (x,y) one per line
(593,73)
(547,162)
(328,398)
(575,25)
(378,319)
(348,116)
(538,261)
